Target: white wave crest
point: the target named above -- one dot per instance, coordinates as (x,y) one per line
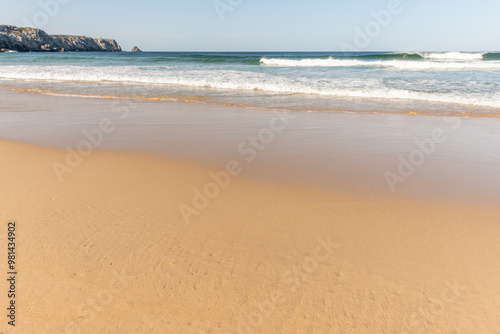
(454,56)
(329,62)
(398,64)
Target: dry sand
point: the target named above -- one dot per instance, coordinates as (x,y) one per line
(107,251)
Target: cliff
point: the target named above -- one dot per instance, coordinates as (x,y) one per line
(37,40)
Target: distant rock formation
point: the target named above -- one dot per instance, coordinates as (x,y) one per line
(37,40)
(136,49)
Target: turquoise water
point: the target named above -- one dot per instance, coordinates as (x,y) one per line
(423,82)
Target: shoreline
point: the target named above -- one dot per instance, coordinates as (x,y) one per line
(319,149)
(176,221)
(468,110)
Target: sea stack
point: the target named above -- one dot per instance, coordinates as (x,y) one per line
(136,49)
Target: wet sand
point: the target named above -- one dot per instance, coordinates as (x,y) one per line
(168,226)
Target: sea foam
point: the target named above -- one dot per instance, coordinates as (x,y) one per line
(397,64)
(163,76)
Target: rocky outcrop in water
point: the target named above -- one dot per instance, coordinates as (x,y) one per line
(37,40)
(136,49)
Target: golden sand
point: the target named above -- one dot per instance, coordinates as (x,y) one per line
(108,251)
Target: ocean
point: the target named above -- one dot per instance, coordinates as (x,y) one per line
(433,83)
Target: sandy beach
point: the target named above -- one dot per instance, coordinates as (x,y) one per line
(164,226)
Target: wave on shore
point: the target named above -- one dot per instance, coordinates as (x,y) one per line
(403,61)
(236,81)
(261,79)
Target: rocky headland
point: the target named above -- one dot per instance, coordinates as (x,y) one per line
(36,40)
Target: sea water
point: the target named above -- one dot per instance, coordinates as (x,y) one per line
(438,83)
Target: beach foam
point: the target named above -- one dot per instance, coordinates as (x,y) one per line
(240,80)
(244,78)
(397,64)
(455,56)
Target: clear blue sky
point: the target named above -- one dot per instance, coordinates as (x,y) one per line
(269,25)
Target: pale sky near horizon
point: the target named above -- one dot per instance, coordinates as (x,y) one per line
(258,25)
